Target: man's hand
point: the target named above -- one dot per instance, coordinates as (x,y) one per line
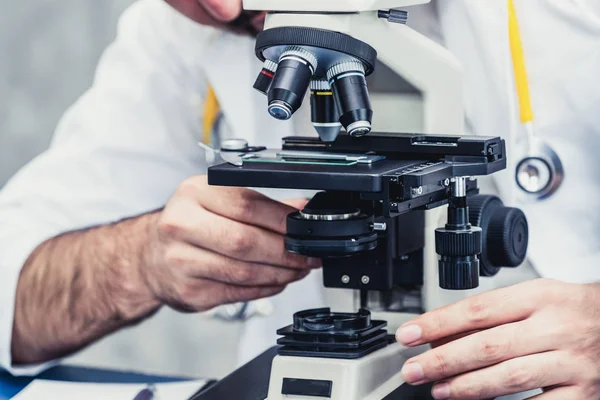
(207,247)
(539,334)
(218,245)
(217,13)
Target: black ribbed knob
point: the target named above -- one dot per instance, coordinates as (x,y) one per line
(459,262)
(505,233)
(459,273)
(458,243)
(507,237)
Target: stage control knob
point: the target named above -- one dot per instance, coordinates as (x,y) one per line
(505,233)
(458,264)
(459,243)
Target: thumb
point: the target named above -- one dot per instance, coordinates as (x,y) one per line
(298,204)
(222,10)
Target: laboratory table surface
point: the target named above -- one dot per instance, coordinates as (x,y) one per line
(11,386)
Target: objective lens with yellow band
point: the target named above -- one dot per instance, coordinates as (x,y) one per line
(324,114)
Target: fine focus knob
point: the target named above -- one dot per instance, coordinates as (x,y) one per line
(505,233)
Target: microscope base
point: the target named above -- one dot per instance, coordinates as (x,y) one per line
(372,377)
(251,382)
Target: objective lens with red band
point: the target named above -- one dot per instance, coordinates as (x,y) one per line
(265,78)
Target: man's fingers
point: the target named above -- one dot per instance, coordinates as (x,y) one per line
(197,263)
(298,204)
(441,342)
(480,350)
(203,295)
(483,311)
(561,393)
(510,377)
(222,10)
(243,205)
(229,238)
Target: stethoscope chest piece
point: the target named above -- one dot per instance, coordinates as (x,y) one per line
(539,174)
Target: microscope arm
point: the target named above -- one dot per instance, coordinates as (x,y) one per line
(423,63)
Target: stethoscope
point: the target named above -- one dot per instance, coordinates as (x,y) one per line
(539,174)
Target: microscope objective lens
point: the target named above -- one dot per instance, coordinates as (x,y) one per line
(265,77)
(291,81)
(349,86)
(324,114)
(280,110)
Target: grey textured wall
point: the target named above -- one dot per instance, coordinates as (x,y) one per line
(49,50)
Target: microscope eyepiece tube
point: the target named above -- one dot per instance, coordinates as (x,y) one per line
(292,78)
(324,114)
(351,95)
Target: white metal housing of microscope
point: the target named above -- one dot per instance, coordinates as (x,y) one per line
(438,76)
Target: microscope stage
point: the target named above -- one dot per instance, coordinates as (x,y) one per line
(417,160)
(357,177)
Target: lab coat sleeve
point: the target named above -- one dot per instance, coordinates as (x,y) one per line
(120,151)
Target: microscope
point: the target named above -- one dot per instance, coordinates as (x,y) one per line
(374,221)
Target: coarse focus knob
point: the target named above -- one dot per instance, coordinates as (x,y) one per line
(505,233)
(508,237)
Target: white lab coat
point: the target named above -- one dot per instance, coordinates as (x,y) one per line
(123,148)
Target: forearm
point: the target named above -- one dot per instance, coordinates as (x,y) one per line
(80,286)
